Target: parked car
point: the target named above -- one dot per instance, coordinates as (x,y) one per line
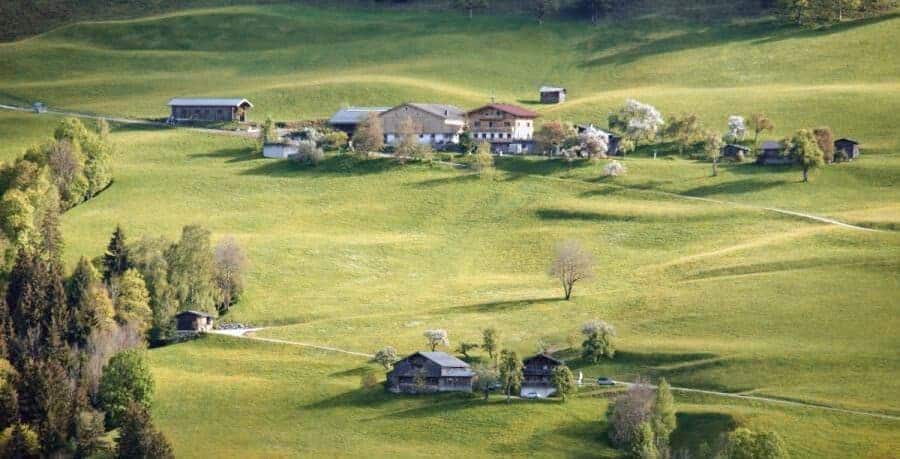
(605,381)
(532,395)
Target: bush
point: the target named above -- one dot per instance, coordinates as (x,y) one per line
(19,440)
(335,140)
(614,169)
(368,380)
(308,152)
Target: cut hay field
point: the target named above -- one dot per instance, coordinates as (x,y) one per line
(358,255)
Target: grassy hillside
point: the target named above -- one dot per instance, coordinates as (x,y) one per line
(360,255)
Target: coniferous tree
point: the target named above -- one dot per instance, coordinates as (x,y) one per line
(192,270)
(115,260)
(663,418)
(9,404)
(89,303)
(139,439)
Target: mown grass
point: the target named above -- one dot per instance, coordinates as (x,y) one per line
(362,255)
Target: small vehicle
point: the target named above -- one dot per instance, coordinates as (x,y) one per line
(532,395)
(605,381)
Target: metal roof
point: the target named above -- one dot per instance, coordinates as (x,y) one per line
(772,145)
(737,146)
(211,102)
(846,139)
(448,112)
(354,115)
(444,359)
(552,89)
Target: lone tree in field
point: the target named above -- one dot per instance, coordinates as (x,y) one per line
(386,356)
(572,264)
(637,120)
(564,382)
(471,5)
(712,147)
(437,338)
(542,8)
(804,149)
(510,372)
(464,348)
(369,135)
(490,341)
(760,123)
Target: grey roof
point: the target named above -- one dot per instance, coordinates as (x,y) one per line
(846,139)
(546,356)
(194,313)
(444,359)
(552,89)
(354,115)
(772,145)
(739,147)
(442,110)
(210,102)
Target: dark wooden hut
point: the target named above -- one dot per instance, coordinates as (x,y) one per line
(193,321)
(552,95)
(849,147)
(538,375)
(425,372)
(773,152)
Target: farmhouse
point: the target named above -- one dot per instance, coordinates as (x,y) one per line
(424,372)
(347,119)
(190,109)
(773,152)
(193,321)
(435,124)
(552,95)
(508,128)
(734,151)
(538,375)
(849,147)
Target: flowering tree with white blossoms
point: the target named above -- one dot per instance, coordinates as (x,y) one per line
(737,128)
(437,338)
(637,120)
(594,143)
(614,169)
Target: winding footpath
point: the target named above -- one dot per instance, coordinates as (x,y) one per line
(246,333)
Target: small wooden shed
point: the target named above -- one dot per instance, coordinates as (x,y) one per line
(773,152)
(733,151)
(850,148)
(552,94)
(193,322)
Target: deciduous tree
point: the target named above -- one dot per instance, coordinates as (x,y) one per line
(570,265)
(484,160)
(486,377)
(552,135)
(683,129)
(663,418)
(126,380)
(626,414)
(760,123)
(369,135)
(230,264)
(464,348)
(712,147)
(510,372)
(490,341)
(131,300)
(386,356)
(437,338)
(564,382)
(825,141)
(637,120)
(192,270)
(802,147)
(598,342)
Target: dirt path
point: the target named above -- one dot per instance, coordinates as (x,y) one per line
(246,333)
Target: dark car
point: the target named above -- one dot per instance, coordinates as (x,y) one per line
(605,381)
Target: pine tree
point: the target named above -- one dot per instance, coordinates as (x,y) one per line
(9,404)
(644,445)
(139,439)
(115,260)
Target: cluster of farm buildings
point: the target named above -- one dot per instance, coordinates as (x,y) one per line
(508,128)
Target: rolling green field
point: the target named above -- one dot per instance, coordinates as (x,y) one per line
(358,255)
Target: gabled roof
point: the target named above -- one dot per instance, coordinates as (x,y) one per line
(447,112)
(355,115)
(546,356)
(552,89)
(193,313)
(444,359)
(772,145)
(210,102)
(739,147)
(514,110)
(844,139)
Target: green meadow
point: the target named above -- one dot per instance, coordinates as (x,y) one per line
(724,296)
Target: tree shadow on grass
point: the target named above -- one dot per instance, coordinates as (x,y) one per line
(734,187)
(591,433)
(500,306)
(518,167)
(334,165)
(697,428)
(430,183)
(601,217)
(359,398)
(231,155)
(436,405)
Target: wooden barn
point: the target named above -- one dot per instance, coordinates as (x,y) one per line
(552,95)
(193,322)
(538,375)
(347,119)
(196,109)
(773,152)
(849,147)
(426,372)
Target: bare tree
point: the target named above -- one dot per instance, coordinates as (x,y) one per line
(369,135)
(572,264)
(628,412)
(437,338)
(230,264)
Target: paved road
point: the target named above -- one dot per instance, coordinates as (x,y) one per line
(115,119)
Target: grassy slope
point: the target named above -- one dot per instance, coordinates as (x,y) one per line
(361,256)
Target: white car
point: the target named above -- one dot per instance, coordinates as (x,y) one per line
(532,395)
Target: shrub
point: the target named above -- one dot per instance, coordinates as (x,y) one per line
(614,169)
(308,152)
(19,440)
(335,140)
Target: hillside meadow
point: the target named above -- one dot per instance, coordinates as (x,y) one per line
(358,255)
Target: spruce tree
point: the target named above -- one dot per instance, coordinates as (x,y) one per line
(115,260)
(139,439)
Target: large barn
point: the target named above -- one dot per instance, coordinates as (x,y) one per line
(199,109)
(425,372)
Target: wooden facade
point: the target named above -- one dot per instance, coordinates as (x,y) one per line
(773,152)
(849,147)
(538,375)
(508,128)
(552,95)
(428,372)
(434,124)
(732,151)
(195,109)
(193,321)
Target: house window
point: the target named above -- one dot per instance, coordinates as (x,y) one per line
(478,124)
(490,124)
